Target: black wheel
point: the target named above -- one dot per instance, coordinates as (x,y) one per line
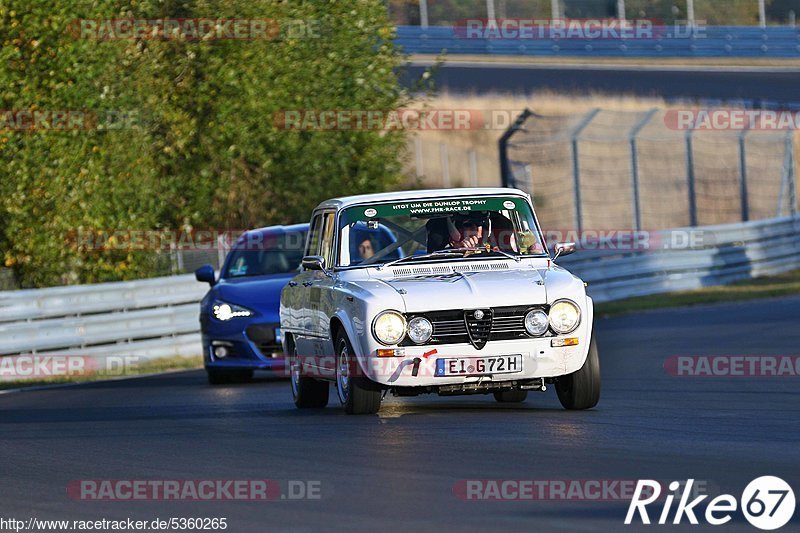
(511,396)
(358,394)
(218,376)
(581,389)
(308,393)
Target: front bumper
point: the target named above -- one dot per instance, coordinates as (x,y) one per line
(251,345)
(539,360)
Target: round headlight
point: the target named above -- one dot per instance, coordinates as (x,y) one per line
(564,316)
(420,329)
(536,322)
(389,327)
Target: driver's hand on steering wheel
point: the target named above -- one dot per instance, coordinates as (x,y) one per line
(472,238)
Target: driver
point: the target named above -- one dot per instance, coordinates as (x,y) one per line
(468,234)
(455,231)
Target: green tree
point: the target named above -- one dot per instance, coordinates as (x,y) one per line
(203,150)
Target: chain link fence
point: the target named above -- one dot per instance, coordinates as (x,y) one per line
(615,169)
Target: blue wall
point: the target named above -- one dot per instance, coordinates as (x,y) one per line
(717,41)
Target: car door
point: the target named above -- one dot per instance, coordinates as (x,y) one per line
(321,283)
(299,290)
(320,299)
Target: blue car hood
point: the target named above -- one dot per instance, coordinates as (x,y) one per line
(259,293)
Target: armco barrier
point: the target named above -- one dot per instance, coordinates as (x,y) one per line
(728,253)
(159,317)
(146,318)
(713,41)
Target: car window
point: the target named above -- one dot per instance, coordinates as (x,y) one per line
(314,238)
(266,254)
(361,241)
(328,234)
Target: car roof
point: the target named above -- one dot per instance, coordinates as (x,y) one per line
(275,230)
(346,201)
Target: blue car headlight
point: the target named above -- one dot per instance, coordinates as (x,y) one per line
(224,311)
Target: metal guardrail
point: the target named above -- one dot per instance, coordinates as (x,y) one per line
(713,41)
(723,254)
(146,318)
(159,317)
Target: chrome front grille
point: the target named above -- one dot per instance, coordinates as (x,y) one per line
(450,327)
(508,324)
(479,326)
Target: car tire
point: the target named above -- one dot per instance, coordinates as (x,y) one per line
(511,396)
(358,394)
(308,393)
(217,376)
(581,389)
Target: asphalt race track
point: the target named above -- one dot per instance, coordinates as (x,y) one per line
(756,84)
(398,470)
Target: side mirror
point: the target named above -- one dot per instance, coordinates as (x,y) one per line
(205,274)
(563,248)
(313,262)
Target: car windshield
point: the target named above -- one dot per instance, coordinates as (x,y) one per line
(258,254)
(410,230)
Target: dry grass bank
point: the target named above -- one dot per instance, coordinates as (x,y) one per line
(605,160)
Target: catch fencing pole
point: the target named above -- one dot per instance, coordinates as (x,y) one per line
(445,165)
(788,170)
(637,214)
(418,156)
(690,177)
(555,11)
(506,176)
(473,168)
(576,171)
(743,175)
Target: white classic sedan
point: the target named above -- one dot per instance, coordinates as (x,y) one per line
(442,291)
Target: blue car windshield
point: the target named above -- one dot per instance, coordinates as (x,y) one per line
(263,255)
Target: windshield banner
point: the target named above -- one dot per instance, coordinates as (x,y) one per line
(434,207)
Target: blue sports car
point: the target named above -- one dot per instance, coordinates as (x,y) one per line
(239,316)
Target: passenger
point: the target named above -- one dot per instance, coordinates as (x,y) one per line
(365,249)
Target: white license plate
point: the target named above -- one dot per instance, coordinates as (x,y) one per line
(478,366)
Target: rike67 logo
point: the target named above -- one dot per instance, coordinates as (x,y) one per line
(768,503)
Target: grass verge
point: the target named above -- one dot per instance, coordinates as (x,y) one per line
(155,366)
(766,287)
